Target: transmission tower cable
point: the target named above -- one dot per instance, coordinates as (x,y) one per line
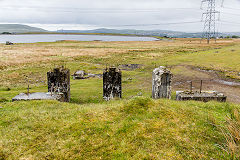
(157,24)
(209,30)
(222,3)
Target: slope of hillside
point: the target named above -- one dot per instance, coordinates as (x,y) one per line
(160,33)
(134,129)
(133,32)
(19,28)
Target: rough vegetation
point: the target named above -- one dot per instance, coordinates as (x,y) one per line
(136,127)
(232,135)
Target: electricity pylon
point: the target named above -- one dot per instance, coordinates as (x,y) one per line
(209,30)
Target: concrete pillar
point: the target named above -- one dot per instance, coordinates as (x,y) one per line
(59,82)
(161,83)
(112,84)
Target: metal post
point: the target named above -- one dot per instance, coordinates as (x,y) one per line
(201,86)
(28,90)
(191,86)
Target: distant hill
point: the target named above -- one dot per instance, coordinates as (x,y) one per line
(19,28)
(160,33)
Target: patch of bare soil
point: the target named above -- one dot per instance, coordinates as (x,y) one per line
(212,81)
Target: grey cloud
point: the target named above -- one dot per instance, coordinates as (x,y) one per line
(109,13)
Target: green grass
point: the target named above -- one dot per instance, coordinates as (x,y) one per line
(138,128)
(224,59)
(135,129)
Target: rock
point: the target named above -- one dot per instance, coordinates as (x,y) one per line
(83,75)
(130,66)
(39,96)
(161,83)
(79,75)
(95,75)
(9,43)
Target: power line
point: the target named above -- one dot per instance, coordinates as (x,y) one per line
(231,8)
(228,7)
(231,13)
(78,8)
(94,10)
(158,24)
(236,23)
(209,30)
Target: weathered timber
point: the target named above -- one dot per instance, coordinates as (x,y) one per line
(59,82)
(112,84)
(161,83)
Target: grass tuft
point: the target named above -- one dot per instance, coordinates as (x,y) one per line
(3,100)
(2,155)
(232,135)
(137,105)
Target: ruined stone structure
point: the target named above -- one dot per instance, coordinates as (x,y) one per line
(130,66)
(161,83)
(112,84)
(39,96)
(79,75)
(59,82)
(83,75)
(200,96)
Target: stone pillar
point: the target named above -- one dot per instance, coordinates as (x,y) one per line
(161,83)
(112,84)
(59,82)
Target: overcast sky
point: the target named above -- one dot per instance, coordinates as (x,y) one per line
(118,14)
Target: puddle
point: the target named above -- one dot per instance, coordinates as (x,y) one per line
(130,66)
(228,83)
(203,70)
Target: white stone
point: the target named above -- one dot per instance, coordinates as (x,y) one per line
(161,83)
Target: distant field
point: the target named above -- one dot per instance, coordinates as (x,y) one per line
(34,60)
(134,128)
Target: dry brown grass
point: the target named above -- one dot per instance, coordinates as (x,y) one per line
(34,59)
(42,52)
(22,54)
(232,135)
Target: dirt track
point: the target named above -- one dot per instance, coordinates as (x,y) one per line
(212,81)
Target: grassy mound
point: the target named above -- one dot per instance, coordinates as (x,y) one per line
(137,105)
(140,128)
